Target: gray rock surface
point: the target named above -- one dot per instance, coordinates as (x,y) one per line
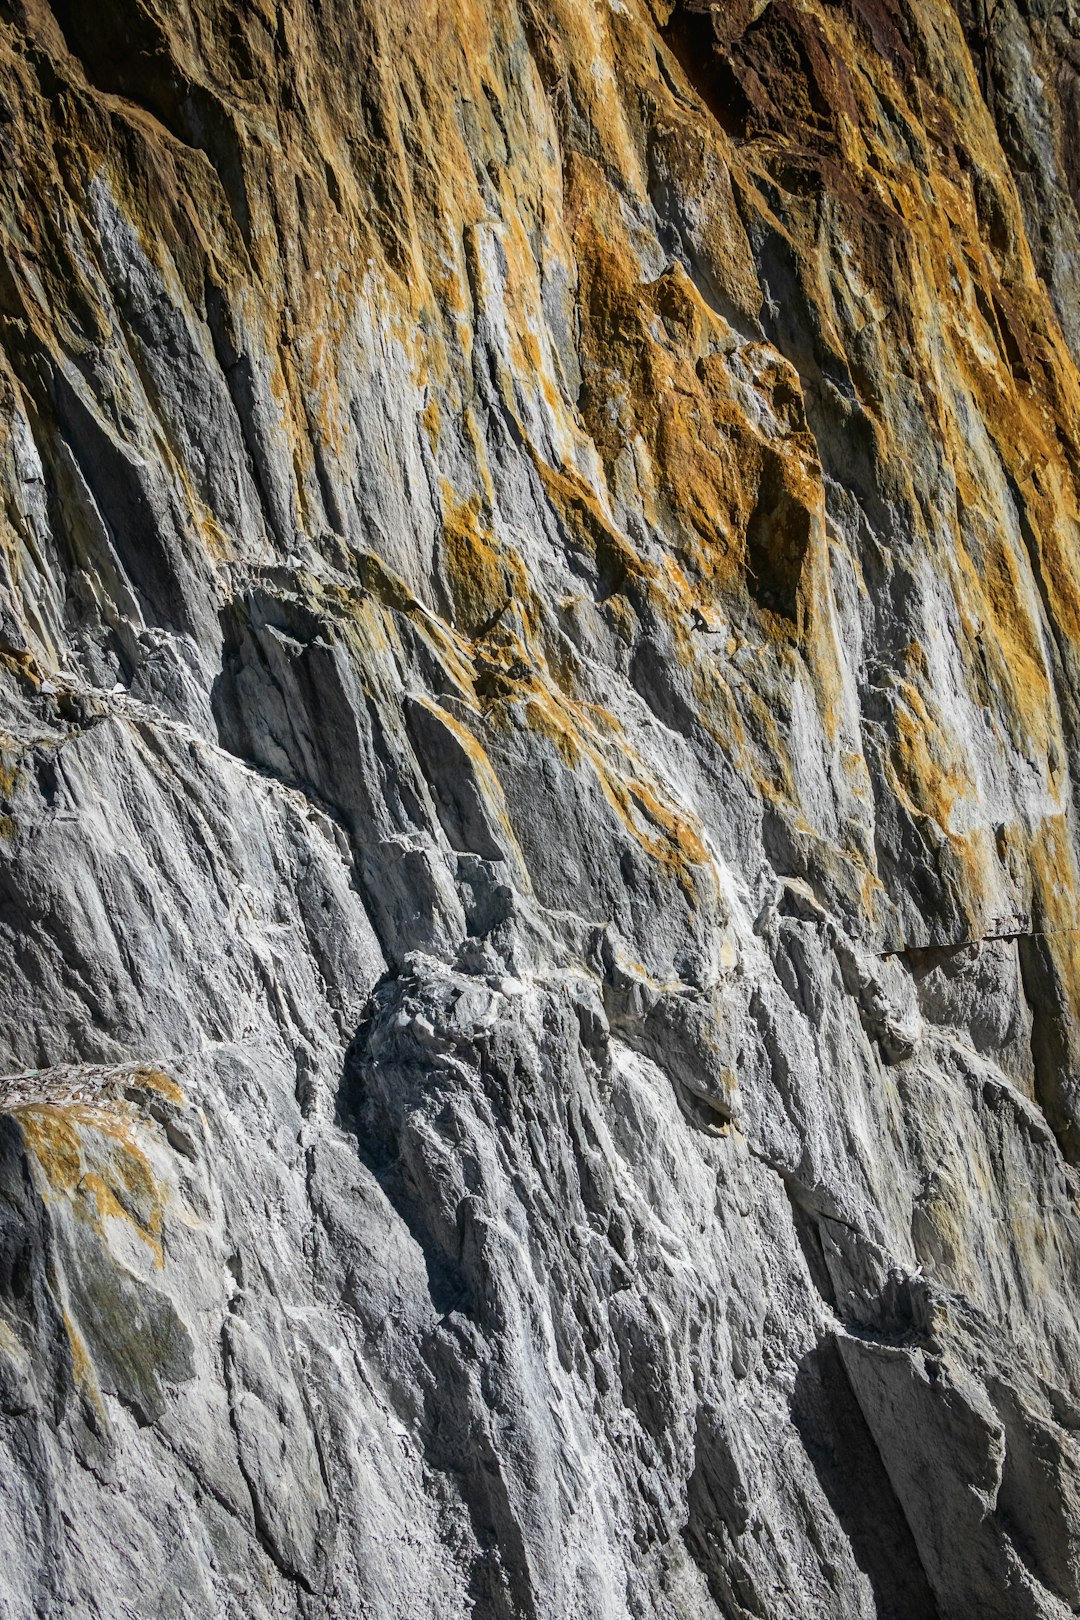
(539,927)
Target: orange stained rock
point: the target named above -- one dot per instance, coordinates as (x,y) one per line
(91,1156)
(836,162)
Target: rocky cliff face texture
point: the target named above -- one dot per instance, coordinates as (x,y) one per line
(539,888)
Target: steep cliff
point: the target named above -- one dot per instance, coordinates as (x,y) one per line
(539,887)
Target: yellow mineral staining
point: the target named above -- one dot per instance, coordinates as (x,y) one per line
(55,1144)
(487,782)
(327,219)
(929,775)
(10,765)
(431,417)
(10,1344)
(925,292)
(484,577)
(210,532)
(584,734)
(91,1155)
(649,376)
(94,1186)
(368,615)
(579,506)
(678,845)
(856,774)
(81,1365)
(156,1080)
(891,224)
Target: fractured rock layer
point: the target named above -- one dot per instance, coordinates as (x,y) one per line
(539,891)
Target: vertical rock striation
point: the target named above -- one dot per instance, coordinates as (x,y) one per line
(539,889)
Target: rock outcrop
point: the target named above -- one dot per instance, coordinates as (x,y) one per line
(539,888)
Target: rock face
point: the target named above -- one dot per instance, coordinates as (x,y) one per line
(539,887)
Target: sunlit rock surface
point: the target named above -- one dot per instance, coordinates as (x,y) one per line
(539,892)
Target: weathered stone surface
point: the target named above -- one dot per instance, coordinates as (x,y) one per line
(539,625)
